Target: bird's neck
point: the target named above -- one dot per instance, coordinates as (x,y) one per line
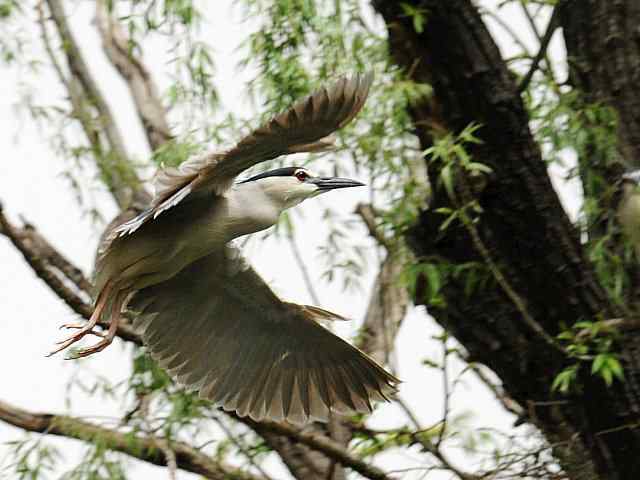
(250,209)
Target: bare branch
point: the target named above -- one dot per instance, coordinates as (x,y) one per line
(368,216)
(320,443)
(57,272)
(507,28)
(143,90)
(542,51)
(146,448)
(231,436)
(303,268)
(420,437)
(389,299)
(124,183)
(505,400)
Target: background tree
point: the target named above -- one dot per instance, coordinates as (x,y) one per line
(456,142)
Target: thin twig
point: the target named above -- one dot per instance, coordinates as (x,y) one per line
(507,28)
(446,392)
(124,183)
(408,412)
(368,215)
(302,266)
(531,20)
(542,51)
(227,431)
(507,402)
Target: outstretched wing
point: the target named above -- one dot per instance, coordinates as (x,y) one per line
(305,127)
(216,327)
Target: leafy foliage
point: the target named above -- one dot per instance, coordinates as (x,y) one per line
(592,343)
(31,458)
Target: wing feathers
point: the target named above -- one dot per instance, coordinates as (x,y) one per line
(308,126)
(256,355)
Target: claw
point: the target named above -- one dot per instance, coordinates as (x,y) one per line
(76,336)
(85,352)
(63,344)
(71,325)
(79,326)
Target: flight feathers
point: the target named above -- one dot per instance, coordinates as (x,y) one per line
(221,331)
(308,126)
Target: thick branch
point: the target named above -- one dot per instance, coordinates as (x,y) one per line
(57,272)
(523,225)
(389,298)
(142,87)
(146,448)
(320,443)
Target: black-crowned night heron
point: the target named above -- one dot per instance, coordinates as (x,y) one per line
(204,314)
(629,208)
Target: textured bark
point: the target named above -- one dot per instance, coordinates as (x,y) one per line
(320,443)
(144,93)
(603,45)
(527,236)
(114,163)
(388,301)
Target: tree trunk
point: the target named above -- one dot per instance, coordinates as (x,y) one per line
(539,276)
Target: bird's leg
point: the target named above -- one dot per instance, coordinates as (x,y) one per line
(116,308)
(88,327)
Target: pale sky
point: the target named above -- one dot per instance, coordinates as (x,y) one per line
(32,184)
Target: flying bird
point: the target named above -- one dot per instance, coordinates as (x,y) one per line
(204,314)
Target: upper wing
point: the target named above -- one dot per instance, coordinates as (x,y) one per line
(305,127)
(218,328)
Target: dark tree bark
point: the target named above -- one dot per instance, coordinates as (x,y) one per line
(541,278)
(603,46)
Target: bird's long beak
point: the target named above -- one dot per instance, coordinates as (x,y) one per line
(331,183)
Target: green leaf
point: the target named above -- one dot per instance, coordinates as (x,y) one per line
(480,167)
(564,379)
(599,362)
(433,277)
(447,178)
(616,368)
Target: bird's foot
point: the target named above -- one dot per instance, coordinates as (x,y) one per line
(70,340)
(88,328)
(102,344)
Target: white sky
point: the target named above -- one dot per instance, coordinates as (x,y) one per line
(31,184)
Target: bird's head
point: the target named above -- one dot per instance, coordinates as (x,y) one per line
(291,185)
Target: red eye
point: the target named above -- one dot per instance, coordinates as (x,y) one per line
(301,175)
